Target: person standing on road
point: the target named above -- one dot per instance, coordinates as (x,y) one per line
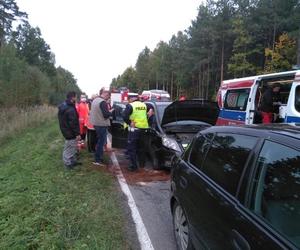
(99,118)
(266,106)
(69,126)
(110,109)
(135,115)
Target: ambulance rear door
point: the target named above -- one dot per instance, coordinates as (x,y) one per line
(291,112)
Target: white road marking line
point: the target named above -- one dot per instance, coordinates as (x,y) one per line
(141,230)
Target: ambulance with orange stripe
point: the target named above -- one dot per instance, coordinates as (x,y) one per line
(239,99)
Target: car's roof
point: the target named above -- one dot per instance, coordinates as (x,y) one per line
(158,91)
(162,103)
(284,130)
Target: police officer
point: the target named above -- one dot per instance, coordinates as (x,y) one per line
(135,115)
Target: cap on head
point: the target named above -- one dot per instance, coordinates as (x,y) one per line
(133,96)
(83,98)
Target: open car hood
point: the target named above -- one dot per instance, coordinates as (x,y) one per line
(193,110)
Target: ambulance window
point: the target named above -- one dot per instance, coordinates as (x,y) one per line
(297,99)
(236,99)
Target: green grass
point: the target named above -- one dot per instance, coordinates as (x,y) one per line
(44,206)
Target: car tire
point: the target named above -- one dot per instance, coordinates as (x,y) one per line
(91,140)
(181,228)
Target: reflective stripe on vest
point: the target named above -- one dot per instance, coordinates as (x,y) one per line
(139,114)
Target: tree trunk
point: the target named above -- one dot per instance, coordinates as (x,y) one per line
(199,83)
(222,60)
(298,51)
(208,79)
(172,84)
(202,83)
(167,85)
(274,36)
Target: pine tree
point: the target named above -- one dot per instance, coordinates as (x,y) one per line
(9,12)
(243,49)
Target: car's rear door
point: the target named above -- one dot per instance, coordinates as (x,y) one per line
(210,184)
(270,218)
(119,132)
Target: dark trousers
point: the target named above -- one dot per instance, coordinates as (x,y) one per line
(135,148)
(101,133)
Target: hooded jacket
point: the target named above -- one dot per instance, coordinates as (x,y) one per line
(68,120)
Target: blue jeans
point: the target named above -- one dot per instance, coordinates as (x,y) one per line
(101,133)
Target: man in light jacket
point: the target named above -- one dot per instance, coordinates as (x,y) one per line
(99,118)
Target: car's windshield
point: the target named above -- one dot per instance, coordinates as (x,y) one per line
(160,110)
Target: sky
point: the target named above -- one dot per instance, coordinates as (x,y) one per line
(96,40)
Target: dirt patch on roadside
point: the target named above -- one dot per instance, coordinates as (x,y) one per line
(140,176)
(145,175)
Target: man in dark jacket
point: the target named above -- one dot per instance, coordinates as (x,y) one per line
(267,107)
(69,126)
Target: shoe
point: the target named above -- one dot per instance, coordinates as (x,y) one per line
(69,167)
(100,164)
(132,169)
(78,163)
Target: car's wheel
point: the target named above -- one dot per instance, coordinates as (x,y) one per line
(91,140)
(181,228)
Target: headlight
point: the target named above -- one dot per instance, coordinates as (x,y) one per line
(170,143)
(184,145)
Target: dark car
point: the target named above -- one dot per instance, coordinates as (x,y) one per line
(171,128)
(238,188)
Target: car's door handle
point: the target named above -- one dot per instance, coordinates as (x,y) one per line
(239,241)
(183,182)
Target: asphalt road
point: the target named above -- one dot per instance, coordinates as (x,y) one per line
(152,200)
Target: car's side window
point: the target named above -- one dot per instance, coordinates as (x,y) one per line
(276,195)
(226,159)
(199,149)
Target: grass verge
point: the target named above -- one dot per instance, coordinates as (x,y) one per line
(43,206)
(15,120)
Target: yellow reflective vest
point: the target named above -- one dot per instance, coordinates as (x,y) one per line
(139,114)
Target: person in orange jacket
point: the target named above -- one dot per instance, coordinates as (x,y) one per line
(182,97)
(83,112)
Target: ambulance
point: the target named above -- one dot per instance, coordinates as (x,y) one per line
(239,99)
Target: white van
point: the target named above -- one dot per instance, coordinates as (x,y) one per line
(239,99)
(155,95)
